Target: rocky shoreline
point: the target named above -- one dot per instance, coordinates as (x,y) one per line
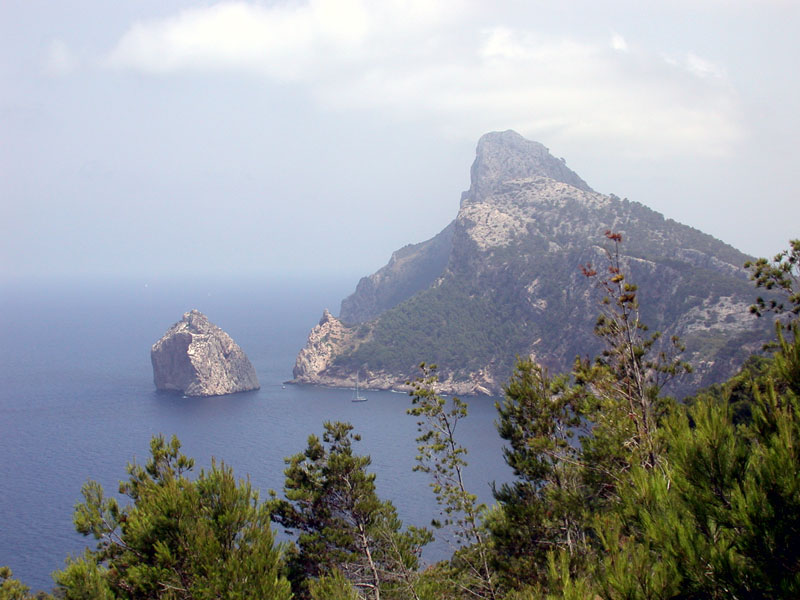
(315,366)
(476,385)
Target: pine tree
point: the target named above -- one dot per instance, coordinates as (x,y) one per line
(441,456)
(342,526)
(178,539)
(781,275)
(623,385)
(542,508)
(574,443)
(14,589)
(725,521)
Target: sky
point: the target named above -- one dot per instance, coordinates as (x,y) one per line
(163,138)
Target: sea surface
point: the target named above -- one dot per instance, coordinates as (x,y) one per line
(77,402)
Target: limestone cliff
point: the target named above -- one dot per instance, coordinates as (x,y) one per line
(198,358)
(505,281)
(327,337)
(411,269)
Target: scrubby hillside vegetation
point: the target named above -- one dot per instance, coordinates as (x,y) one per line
(618,490)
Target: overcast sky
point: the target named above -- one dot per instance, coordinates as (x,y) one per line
(152,138)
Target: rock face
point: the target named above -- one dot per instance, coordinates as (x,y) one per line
(411,269)
(318,354)
(504,280)
(197,358)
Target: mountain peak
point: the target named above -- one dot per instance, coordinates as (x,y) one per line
(196,322)
(505,155)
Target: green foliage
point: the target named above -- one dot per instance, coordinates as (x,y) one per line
(180,538)
(724,519)
(782,275)
(442,457)
(448,325)
(10,588)
(84,578)
(787,361)
(343,528)
(13,589)
(574,445)
(542,508)
(626,380)
(332,587)
(441,581)
(674,501)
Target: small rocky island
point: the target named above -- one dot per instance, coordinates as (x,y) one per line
(198,358)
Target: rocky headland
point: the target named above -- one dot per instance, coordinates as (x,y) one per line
(504,280)
(197,358)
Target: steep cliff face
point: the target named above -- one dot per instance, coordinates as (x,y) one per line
(505,155)
(511,284)
(327,338)
(411,269)
(198,358)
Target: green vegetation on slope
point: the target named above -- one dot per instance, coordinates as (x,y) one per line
(445,325)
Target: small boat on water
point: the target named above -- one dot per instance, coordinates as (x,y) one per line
(357,397)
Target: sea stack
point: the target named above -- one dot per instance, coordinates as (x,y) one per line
(198,358)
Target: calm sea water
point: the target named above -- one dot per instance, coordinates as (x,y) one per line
(77,402)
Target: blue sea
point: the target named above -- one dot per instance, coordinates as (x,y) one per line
(77,402)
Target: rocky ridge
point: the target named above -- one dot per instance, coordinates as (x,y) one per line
(325,338)
(509,284)
(198,358)
(410,270)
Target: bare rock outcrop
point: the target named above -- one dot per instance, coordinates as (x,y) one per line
(411,269)
(326,338)
(198,358)
(506,155)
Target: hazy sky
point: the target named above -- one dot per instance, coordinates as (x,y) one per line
(153,138)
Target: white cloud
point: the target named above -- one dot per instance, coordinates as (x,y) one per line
(450,64)
(225,36)
(292,41)
(618,43)
(500,43)
(703,68)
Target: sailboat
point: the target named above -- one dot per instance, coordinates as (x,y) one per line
(357,397)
